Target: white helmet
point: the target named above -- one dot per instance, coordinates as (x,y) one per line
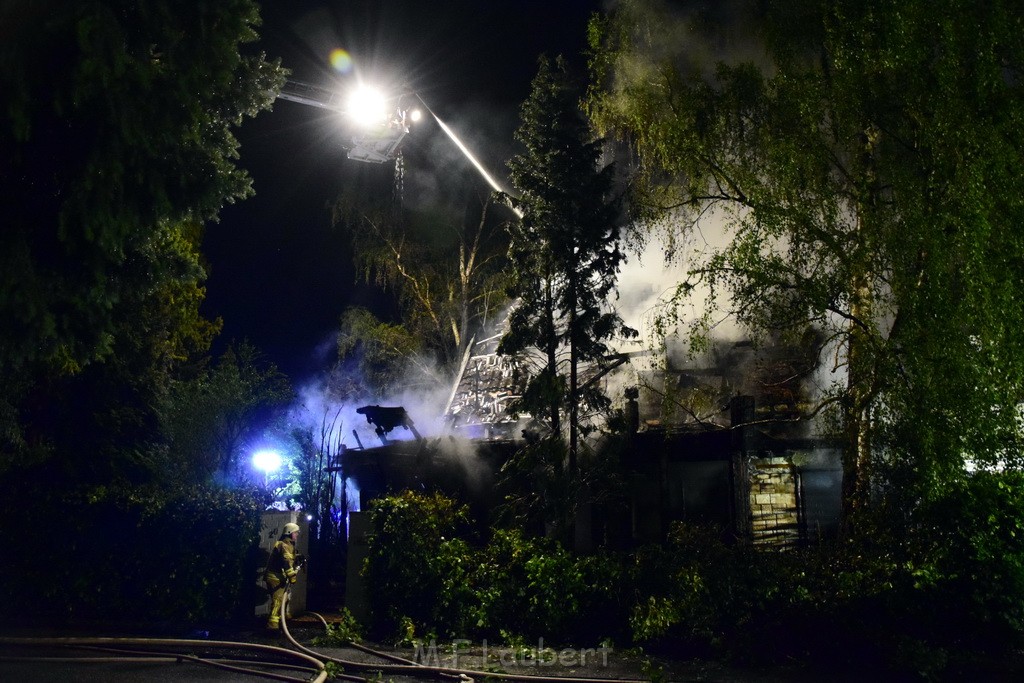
(290,528)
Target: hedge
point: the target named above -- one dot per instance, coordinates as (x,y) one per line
(130,554)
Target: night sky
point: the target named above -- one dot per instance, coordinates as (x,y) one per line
(280,274)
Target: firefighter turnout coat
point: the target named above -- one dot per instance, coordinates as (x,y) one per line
(281,565)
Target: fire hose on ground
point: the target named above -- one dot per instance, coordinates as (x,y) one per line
(314,666)
(127,650)
(411,668)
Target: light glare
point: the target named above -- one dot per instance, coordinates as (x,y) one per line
(341,60)
(366,107)
(266,461)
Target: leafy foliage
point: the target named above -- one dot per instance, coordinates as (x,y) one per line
(107,414)
(210,417)
(919,605)
(417,566)
(118,147)
(315,489)
(872,603)
(565,254)
(867,169)
(118,124)
(132,554)
(379,354)
(537,497)
(535,588)
(533,490)
(427,577)
(341,633)
(966,552)
(448,277)
(864,170)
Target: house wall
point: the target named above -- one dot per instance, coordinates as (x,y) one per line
(820,498)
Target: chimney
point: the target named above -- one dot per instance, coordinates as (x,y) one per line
(632,411)
(741,412)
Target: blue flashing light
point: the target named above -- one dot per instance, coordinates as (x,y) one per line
(266,461)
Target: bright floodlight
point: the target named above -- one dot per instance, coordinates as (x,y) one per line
(267,461)
(366,107)
(415,115)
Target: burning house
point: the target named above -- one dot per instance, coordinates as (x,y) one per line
(719,442)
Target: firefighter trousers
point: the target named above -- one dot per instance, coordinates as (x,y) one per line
(277,589)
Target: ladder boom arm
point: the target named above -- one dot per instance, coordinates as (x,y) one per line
(312,95)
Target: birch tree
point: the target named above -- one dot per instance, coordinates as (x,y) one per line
(868,156)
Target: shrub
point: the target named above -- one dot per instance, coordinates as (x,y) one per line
(967,562)
(418,565)
(132,554)
(425,578)
(341,633)
(913,600)
(705,596)
(535,588)
(907,599)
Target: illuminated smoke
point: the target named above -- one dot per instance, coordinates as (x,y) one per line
(696,35)
(469,155)
(352,502)
(335,396)
(352,495)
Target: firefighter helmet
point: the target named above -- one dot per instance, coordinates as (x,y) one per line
(291,528)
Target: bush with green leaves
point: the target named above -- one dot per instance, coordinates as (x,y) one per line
(699,591)
(131,554)
(966,561)
(912,601)
(425,577)
(342,632)
(534,587)
(418,563)
(952,580)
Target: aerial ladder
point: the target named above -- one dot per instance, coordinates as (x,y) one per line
(376,137)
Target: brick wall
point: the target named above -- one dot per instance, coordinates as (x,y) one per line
(774,515)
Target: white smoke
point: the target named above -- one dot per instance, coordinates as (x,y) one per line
(319,407)
(337,422)
(438,173)
(675,248)
(695,35)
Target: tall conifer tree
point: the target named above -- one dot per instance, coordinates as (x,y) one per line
(565,252)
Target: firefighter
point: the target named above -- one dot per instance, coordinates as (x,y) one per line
(282,570)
